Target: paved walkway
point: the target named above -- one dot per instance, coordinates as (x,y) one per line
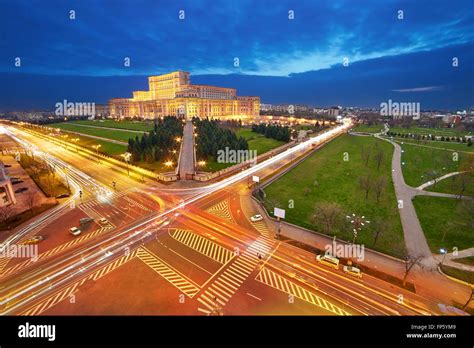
(111,128)
(98,138)
(450,259)
(186,159)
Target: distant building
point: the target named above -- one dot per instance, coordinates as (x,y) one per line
(7,195)
(334,111)
(173,95)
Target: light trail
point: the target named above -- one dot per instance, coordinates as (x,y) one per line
(206,191)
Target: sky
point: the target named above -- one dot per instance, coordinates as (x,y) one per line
(389,54)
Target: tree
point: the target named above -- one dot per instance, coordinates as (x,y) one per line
(326,215)
(379,186)
(379,155)
(6,212)
(432,175)
(410,262)
(464,180)
(380,226)
(365,183)
(365,154)
(31,200)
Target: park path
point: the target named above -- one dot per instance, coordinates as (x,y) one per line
(97,137)
(432,182)
(415,240)
(186,158)
(111,128)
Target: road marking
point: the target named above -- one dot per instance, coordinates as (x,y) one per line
(274,280)
(228,282)
(183,284)
(203,245)
(137,204)
(222,210)
(258,298)
(261,227)
(56,250)
(66,292)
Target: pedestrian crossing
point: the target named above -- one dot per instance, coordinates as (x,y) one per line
(203,245)
(261,227)
(222,210)
(226,285)
(56,250)
(68,291)
(278,282)
(134,203)
(174,277)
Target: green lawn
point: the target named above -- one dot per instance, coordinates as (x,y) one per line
(446,145)
(466,260)
(327,177)
(133,125)
(258,141)
(426,131)
(375,128)
(444,217)
(454,185)
(104,133)
(418,161)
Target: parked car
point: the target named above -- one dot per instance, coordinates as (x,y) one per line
(21,189)
(34,240)
(256,218)
(354,271)
(103,221)
(14,182)
(75,231)
(328,260)
(85,220)
(64,195)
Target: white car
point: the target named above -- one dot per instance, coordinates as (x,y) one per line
(256,218)
(354,271)
(103,221)
(75,231)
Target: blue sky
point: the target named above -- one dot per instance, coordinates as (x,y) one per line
(258,33)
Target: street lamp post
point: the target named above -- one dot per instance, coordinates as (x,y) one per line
(357,222)
(444,252)
(126,156)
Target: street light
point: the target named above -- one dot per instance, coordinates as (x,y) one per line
(444,252)
(75,140)
(126,156)
(357,222)
(168,163)
(96,147)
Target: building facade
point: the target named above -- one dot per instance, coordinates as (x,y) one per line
(173,95)
(7,195)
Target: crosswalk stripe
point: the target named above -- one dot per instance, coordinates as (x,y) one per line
(172,276)
(203,245)
(280,283)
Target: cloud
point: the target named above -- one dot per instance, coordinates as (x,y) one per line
(419,89)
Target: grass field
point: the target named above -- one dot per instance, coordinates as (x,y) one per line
(452,132)
(368,129)
(417,161)
(446,145)
(132,125)
(258,141)
(453,185)
(466,260)
(329,178)
(444,223)
(459,274)
(105,146)
(104,133)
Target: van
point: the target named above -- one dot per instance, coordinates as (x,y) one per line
(85,220)
(328,260)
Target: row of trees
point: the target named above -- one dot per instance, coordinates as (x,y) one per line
(431,137)
(158,143)
(277,132)
(212,138)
